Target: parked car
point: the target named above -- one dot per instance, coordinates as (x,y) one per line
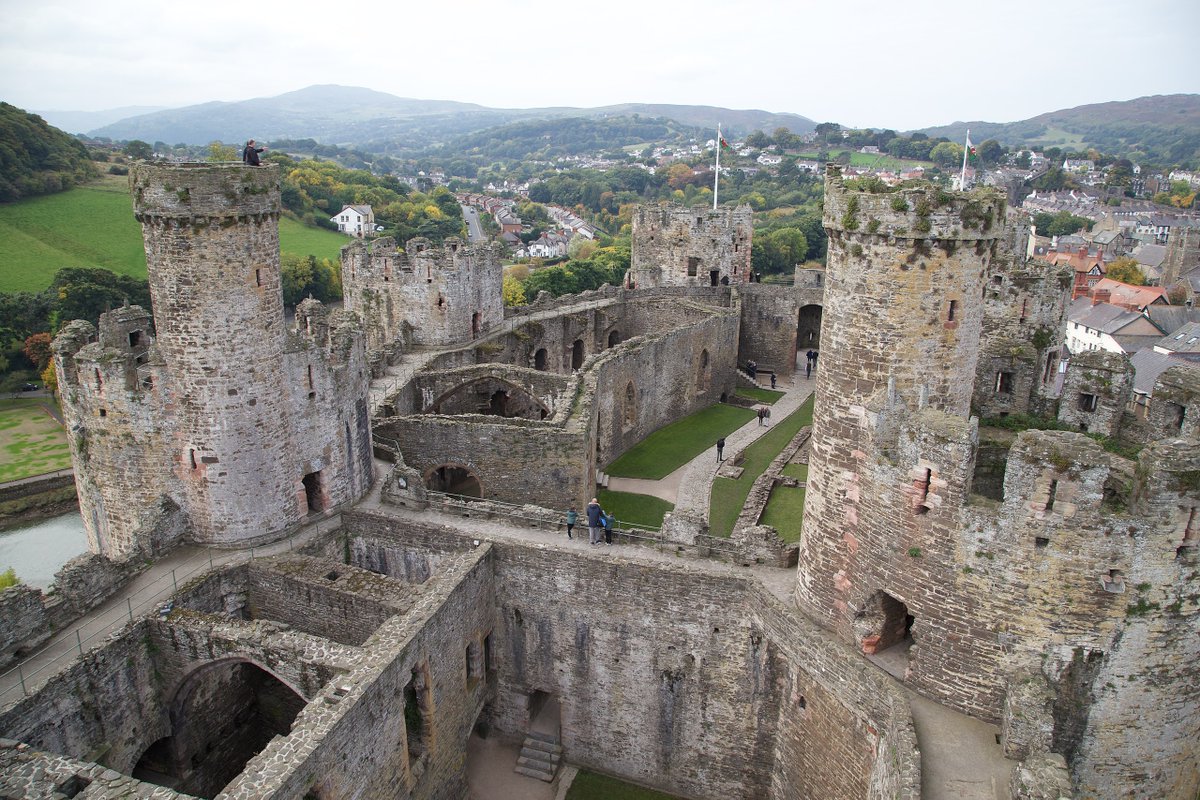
(29,387)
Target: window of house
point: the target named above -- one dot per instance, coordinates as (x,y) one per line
(1088,402)
(1004,382)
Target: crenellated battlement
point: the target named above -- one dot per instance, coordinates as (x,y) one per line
(698,246)
(923,211)
(197,191)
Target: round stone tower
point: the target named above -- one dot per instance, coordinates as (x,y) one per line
(891,446)
(211,233)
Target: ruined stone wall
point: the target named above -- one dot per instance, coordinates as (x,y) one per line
(327,388)
(1091,595)
(674,246)
(212,248)
(688,668)
(1096,389)
(352,741)
(1175,403)
(1024,320)
(469,389)
(324,598)
(499,454)
(1183,253)
(438,294)
(23,623)
(767,335)
(649,383)
(119,417)
(101,708)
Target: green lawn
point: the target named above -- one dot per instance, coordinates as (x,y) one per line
(93,226)
(728,495)
(31,441)
(669,448)
(593,786)
(634,509)
(797,471)
(784,512)
(768,396)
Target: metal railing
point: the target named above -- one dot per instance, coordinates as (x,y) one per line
(650,535)
(70,642)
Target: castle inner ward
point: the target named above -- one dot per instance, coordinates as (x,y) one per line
(1038,582)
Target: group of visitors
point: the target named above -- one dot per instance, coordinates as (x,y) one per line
(764,414)
(600,524)
(810,363)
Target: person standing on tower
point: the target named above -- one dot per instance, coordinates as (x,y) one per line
(250,154)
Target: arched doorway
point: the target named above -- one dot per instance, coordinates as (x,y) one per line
(539,359)
(577,354)
(808,328)
(883,622)
(453,479)
(222,715)
(614,338)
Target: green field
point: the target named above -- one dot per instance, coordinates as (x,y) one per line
(669,448)
(729,495)
(93,226)
(768,396)
(31,441)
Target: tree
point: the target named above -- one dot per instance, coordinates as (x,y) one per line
(50,378)
(138,149)
(512,291)
(991,151)
(828,130)
(1125,270)
(218,151)
(758,140)
(947,154)
(37,350)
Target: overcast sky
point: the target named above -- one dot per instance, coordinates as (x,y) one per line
(878,63)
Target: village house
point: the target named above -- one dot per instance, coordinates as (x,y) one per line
(1097,325)
(355,220)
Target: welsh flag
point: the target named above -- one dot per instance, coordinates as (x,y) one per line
(725,144)
(972,152)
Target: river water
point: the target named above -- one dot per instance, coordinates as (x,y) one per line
(39,550)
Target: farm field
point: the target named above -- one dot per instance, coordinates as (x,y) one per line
(93,226)
(31,441)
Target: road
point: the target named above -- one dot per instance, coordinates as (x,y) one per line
(474,229)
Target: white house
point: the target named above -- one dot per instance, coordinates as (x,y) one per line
(355,220)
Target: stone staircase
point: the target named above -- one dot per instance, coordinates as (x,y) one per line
(602,478)
(540,756)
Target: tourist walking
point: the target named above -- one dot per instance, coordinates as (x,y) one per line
(762,412)
(772,380)
(720,449)
(572,517)
(595,520)
(767,415)
(608,526)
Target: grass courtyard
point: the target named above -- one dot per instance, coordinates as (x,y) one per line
(669,448)
(31,441)
(729,495)
(634,509)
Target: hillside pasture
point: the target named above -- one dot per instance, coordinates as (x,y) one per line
(93,226)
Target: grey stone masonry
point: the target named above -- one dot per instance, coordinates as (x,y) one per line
(677,246)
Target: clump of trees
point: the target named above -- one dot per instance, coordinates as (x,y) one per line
(1060,224)
(36,158)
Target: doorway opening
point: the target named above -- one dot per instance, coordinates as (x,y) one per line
(314,492)
(454,480)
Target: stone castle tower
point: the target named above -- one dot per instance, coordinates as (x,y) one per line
(1053,609)
(674,246)
(425,294)
(233,428)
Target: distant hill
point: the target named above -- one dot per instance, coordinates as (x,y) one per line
(360,117)
(1162,128)
(36,158)
(83,121)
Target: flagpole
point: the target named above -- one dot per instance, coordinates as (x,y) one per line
(962,177)
(717,169)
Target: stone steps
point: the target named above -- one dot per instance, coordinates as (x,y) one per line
(540,756)
(602,478)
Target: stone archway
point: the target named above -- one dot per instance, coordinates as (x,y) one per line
(221,715)
(490,396)
(808,328)
(577,354)
(453,479)
(883,622)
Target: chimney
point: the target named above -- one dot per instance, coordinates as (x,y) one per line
(1100,296)
(1083,250)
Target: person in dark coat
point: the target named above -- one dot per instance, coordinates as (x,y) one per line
(250,154)
(608,526)
(595,518)
(572,516)
(720,449)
